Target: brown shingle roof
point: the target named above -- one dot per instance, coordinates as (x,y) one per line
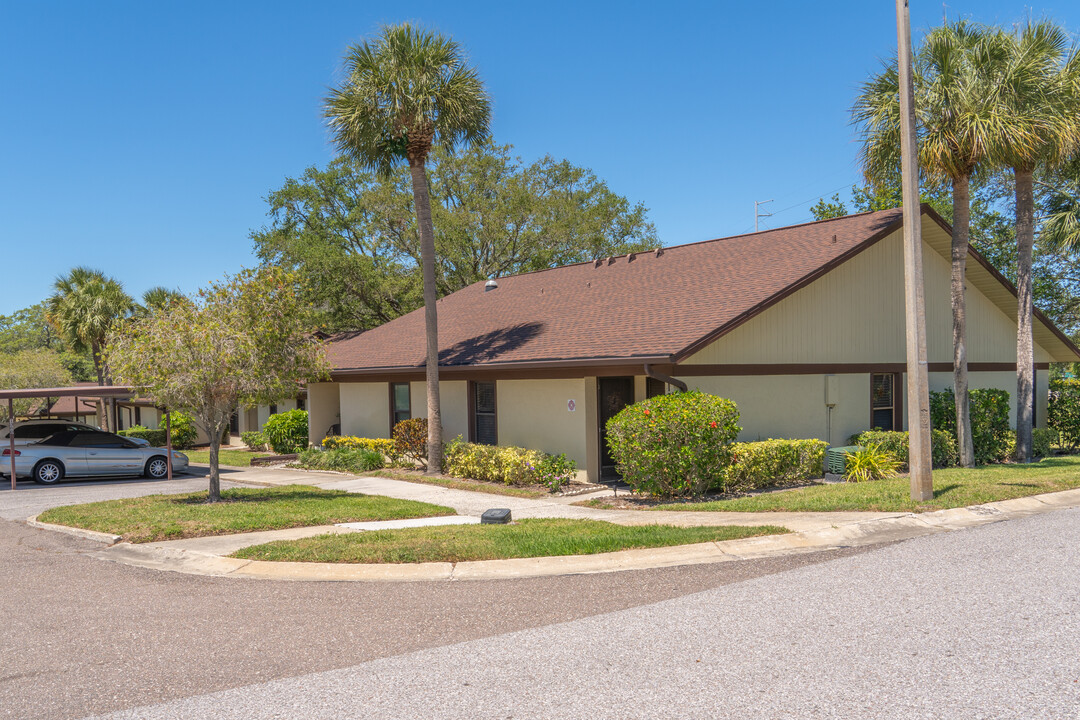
(649,305)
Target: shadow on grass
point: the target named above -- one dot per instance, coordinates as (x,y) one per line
(944,489)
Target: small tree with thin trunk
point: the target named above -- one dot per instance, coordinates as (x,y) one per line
(245,340)
(404,92)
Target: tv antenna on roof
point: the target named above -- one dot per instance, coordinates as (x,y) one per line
(758,213)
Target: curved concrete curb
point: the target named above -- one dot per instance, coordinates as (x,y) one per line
(855,534)
(94,535)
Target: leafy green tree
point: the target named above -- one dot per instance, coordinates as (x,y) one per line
(243,341)
(352,234)
(34,368)
(1036,92)
(827,210)
(405,92)
(85,306)
(28,329)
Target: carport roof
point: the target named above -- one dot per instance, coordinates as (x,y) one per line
(115,391)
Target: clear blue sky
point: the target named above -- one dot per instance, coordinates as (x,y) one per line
(142,137)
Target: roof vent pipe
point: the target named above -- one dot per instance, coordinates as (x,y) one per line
(665,378)
(490,285)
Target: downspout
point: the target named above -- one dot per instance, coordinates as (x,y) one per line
(649,372)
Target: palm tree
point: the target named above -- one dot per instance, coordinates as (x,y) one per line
(1036,91)
(956,127)
(158,298)
(85,305)
(405,91)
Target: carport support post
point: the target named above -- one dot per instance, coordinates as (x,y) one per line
(168,443)
(11,437)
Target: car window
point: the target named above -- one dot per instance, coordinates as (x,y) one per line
(38,430)
(100,439)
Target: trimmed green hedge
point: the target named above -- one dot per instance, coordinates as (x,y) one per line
(1064,412)
(184,432)
(989,421)
(895,442)
(155,437)
(774,462)
(384,445)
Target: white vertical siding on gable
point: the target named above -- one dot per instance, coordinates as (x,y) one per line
(855,314)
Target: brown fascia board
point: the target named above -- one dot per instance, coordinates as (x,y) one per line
(790,289)
(84,391)
(525,365)
(1004,281)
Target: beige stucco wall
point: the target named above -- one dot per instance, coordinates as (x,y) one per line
(534,414)
(793,406)
(855,314)
(453,401)
(324,409)
(365,409)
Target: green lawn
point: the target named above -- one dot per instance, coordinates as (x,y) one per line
(461,483)
(954,487)
(171,517)
(458,543)
(236,458)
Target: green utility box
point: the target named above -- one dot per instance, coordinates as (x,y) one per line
(836,458)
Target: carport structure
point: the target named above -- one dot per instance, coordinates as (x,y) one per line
(121,392)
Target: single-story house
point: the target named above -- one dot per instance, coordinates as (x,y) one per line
(802,326)
(129,412)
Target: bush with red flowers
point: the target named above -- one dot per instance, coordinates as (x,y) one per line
(674,445)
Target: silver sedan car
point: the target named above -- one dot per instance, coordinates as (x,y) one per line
(78,453)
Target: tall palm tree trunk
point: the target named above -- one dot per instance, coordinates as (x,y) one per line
(99,370)
(960,239)
(431,320)
(1025,354)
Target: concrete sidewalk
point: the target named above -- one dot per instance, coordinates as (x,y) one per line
(204,556)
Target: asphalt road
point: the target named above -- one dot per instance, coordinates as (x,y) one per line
(82,636)
(983,623)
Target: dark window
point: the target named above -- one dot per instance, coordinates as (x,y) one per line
(99,439)
(883,404)
(654,387)
(485,424)
(301,403)
(138,416)
(37,431)
(400,404)
(273,409)
(234,422)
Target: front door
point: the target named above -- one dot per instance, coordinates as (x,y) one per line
(615,394)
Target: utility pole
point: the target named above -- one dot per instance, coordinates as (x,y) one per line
(918,386)
(758,214)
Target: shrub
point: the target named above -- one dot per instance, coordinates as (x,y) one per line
(989,421)
(1043,441)
(774,462)
(155,437)
(507,465)
(676,444)
(254,439)
(870,463)
(410,439)
(942,446)
(1064,412)
(184,433)
(287,432)
(383,445)
(340,460)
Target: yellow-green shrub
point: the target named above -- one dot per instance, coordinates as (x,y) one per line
(506,465)
(774,462)
(348,442)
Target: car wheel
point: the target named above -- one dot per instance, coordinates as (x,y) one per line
(48,472)
(157,467)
